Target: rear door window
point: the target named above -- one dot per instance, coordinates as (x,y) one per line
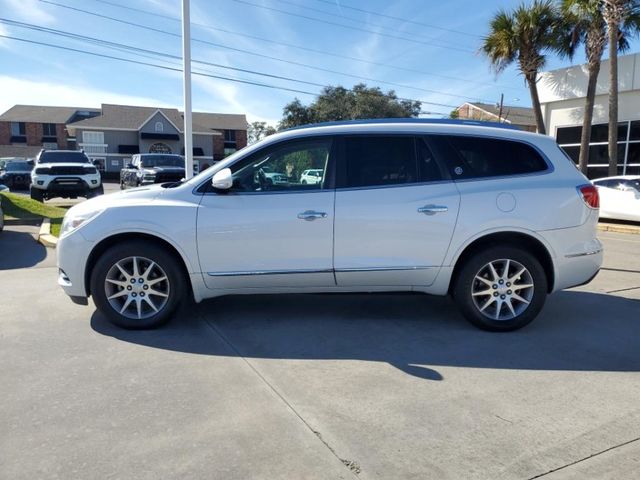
(478,157)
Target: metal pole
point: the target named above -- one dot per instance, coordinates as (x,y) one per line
(186,61)
(501,106)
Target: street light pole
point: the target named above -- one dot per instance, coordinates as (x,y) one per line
(186,62)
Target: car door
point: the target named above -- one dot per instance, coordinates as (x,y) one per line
(267,234)
(395,212)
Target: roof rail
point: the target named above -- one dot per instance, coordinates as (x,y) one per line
(425,121)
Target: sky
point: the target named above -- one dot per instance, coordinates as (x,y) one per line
(424,50)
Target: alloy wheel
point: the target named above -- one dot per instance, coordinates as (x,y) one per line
(137,287)
(502,289)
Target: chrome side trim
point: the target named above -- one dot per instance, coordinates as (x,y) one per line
(585,254)
(265,272)
(380,269)
(330,270)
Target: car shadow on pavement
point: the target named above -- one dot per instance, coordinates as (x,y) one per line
(18,249)
(577,331)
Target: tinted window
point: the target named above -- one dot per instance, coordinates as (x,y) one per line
(162,161)
(374,161)
(18,167)
(568,135)
(63,157)
(428,168)
(490,157)
(280,168)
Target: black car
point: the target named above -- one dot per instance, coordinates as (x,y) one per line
(146,168)
(16,175)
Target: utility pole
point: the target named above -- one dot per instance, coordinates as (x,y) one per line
(501,105)
(186,62)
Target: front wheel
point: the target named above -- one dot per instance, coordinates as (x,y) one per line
(500,289)
(137,285)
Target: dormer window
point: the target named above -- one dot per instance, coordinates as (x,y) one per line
(159,127)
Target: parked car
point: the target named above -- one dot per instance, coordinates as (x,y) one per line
(269,177)
(494,216)
(66,174)
(619,197)
(148,168)
(16,174)
(311,176)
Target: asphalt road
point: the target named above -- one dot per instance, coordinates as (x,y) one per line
(319,386)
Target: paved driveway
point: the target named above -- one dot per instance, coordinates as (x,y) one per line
(319,386)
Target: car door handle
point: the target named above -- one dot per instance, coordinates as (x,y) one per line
(433,209)
(311,215)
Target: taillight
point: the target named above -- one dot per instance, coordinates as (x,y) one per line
(589,194)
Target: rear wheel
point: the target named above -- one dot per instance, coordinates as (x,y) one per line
(501,288)
(36,194)
(137,285)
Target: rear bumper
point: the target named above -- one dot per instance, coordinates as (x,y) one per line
(578,254)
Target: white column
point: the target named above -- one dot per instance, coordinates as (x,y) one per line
(186,61)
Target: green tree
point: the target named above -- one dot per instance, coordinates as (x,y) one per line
(454,114)
(524,36)
(619,15)
(339,103)
(258,130)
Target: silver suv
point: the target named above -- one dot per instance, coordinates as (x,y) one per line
(496,217)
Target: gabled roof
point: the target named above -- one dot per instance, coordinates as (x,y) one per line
(42,114)
(515,115)
(127,117)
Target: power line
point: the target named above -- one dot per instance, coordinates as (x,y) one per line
(400,19)
(175,69)
(164,67)
(306,49)
(351,27)
(206,42)
(376,25)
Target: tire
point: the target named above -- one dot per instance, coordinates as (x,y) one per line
(304,182)
(108,280)
(476,276)
(122,187)
(36,194)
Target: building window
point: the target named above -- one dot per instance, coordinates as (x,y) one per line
(229,142)
(96,138)
(628,143)
(48,129)
(18,129)
(159,127)
(160,148)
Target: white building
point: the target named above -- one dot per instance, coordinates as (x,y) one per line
(562,95)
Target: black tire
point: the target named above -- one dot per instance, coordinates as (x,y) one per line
(36,194)
(122,186)
(466,282)
(304,182)
(144,250)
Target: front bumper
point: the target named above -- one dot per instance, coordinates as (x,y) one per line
(73,253)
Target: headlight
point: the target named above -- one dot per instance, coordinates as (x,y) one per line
(72,221)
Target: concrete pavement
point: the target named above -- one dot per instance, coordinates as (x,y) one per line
(320,386)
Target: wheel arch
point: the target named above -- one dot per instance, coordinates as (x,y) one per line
(510,238)
(104,244)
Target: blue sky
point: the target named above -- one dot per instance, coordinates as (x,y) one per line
(437,65)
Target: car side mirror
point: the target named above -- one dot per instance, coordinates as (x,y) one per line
(222,180)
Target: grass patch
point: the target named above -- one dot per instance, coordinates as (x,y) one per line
(24,208)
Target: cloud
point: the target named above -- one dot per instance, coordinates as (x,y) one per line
(30,10)
(31,92)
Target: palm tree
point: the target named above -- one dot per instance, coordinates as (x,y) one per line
(619,15)
(585,24)
(523,36)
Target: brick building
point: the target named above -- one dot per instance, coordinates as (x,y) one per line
(111,134)
(521,117)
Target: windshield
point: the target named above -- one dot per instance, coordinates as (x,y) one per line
(18,167)
(163,161)
(63,157)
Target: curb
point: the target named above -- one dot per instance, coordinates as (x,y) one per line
(618,228)
(45,237)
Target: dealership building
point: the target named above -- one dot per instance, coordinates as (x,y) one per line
(562,95)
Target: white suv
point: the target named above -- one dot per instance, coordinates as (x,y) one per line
(496,217)
(66,174)
(312,176)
